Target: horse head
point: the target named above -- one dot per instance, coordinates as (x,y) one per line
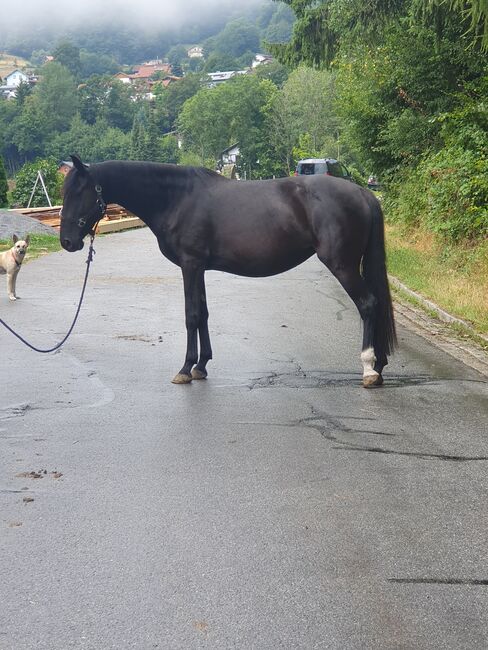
(83,206)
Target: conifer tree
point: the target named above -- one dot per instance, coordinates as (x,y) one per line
(3,185)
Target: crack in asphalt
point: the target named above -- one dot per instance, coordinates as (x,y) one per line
(318,379)
(328,425)
(440,581)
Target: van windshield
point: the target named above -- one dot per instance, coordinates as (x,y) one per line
(312,168)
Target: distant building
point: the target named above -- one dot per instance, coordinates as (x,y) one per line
(123,77)
(216,78)
(65,166)
(260,59)
(144,76)
(195,52)
(230,155)
(13,80)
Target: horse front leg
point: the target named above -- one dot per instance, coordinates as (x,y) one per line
(192,280)
(200,370)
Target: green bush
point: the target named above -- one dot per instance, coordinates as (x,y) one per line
(448,190)
(25,180)
(357,177)
(447,193)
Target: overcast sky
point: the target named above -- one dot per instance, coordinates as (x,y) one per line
(146,13)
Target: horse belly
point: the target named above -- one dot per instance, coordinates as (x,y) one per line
(259,259)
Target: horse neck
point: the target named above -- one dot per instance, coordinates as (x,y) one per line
(145,189)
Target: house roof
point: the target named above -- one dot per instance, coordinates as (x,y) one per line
(147,71)
(14,71)
(232,146)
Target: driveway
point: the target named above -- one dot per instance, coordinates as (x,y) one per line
(277,504)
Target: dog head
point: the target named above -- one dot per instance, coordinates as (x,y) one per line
(20,247)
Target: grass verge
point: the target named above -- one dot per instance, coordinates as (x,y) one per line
(453,277)
(39,245)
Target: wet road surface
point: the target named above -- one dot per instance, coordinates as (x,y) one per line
(277,504)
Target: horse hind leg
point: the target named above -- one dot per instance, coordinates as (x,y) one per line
(366,304)
(200,370)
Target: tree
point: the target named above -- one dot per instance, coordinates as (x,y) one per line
(24,89)
(56,97)
(280,26)
(91,97)
(220,61)
(170,152)
(97,64)
(240,107)
(139,137)
(30,130)
(112,144)
(25,180)
(322,27)
(237,37)
(118,108)
(169,100)
(3,185)
(176,56)
(68,55)
(79,139)
(274,71)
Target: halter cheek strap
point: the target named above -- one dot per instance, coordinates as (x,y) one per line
(102,207)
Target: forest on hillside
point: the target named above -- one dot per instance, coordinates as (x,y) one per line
(395,88)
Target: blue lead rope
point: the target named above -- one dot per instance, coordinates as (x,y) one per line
(91,253)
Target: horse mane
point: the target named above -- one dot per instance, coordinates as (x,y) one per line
(204,173)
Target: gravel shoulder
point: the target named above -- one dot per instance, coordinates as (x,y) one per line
(15,223)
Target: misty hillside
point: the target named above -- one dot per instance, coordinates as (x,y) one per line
(147,30)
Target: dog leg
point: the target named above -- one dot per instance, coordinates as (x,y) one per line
(11,278)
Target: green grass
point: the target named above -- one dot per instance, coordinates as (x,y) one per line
(455,278)
(39,245)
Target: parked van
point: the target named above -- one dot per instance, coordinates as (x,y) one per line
(328,166)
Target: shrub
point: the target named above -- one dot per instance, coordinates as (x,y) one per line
(447,193)
(25,180)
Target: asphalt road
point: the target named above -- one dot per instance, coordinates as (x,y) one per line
(277,504)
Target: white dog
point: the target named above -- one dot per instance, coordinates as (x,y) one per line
(11,261)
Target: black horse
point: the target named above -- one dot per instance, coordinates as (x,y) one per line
(252,228)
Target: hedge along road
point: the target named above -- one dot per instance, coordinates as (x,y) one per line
(276,504)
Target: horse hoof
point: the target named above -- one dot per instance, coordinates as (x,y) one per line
(198,374)
(181,379)
(371,381)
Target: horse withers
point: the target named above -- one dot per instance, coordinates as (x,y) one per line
(205,221)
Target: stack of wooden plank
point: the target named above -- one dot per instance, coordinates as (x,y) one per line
(116,217)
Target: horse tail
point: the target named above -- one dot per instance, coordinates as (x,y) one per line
(375,276)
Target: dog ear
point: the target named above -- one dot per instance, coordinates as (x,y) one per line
(27,240)
(15,238)
(78,164)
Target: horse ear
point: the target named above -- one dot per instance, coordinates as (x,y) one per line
(78,164)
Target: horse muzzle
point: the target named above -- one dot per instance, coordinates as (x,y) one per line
(70,245)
